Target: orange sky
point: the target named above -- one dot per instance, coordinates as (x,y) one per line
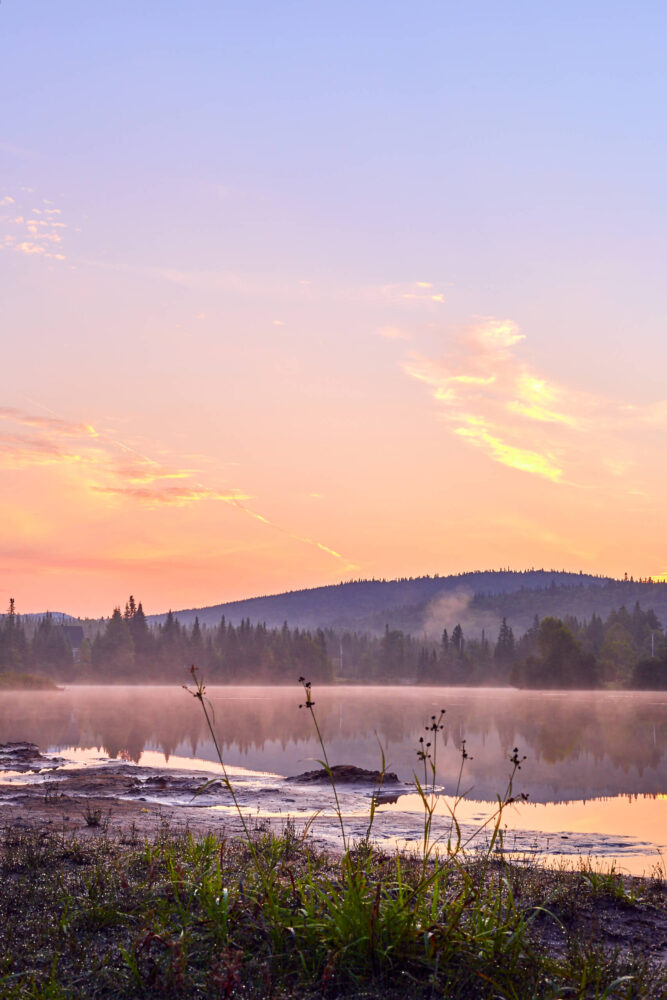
(470,459)
(269,326)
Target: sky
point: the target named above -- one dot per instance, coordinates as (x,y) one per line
(296,293)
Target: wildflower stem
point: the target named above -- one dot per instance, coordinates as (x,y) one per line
(310,705)
(199,693)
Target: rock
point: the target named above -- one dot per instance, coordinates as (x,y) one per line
(172,784)
(20,751)
(346,774)
(24,757)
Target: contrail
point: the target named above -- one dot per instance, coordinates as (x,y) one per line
(297,538)
(304,539)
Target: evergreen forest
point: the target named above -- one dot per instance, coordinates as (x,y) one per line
(626,649)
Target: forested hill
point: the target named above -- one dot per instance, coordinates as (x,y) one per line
(476,600)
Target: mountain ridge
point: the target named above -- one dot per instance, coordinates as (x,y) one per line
(429,603)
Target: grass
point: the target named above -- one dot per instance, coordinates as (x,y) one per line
(268,915)
(93,816)
(179,917)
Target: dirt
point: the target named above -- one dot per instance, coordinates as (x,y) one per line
(637,923)
(132,802)
(116,797)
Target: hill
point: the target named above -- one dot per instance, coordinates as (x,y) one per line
(477,600)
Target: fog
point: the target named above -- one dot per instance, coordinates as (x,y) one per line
(577,745)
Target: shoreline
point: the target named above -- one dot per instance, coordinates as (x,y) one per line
(51,792)
(154,910)
(133,889)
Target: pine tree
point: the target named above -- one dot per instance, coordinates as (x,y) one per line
(172,647)
(13,643)
(50,651)
(504,651)
(196,644)
(113,650)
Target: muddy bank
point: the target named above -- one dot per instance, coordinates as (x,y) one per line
(122,797)
(347,774)
(23,757)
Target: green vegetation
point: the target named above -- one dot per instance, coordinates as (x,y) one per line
(626,649)
(95,917)
(125,649)
(560,661)
(270,916)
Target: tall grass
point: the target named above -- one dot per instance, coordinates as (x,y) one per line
(268,915)
(438,919)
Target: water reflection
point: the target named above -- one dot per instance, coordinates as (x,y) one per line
(578,745)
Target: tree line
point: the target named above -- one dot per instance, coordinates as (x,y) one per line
(627,649)
(126,649)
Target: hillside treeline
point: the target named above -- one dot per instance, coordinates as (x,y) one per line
(561,597)
(626,649)
(128,650)
(407,603)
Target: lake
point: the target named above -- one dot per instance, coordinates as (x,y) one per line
(595,768)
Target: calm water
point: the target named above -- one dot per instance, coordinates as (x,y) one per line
(596,762)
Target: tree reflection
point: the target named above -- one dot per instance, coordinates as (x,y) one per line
(577,745)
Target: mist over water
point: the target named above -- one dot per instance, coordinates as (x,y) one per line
(578,745)
(595,768)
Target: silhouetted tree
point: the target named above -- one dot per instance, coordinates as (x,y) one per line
(650,675)
(13,643)
(393,652)
(50,651)
(113,649)
(504,651)
(560,663)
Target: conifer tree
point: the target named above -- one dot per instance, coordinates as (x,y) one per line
(13,642)
(50,651)
(113,649)
(504,651)
(457,640)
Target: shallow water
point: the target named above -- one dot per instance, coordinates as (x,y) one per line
(595,768)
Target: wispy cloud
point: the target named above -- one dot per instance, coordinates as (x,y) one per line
(105,464)
(53,424)
(177,496)
(517,458)
(107,467)
(145,471)
(29,230)
(490,397)
(19,451)
(402,293)
(14,150)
